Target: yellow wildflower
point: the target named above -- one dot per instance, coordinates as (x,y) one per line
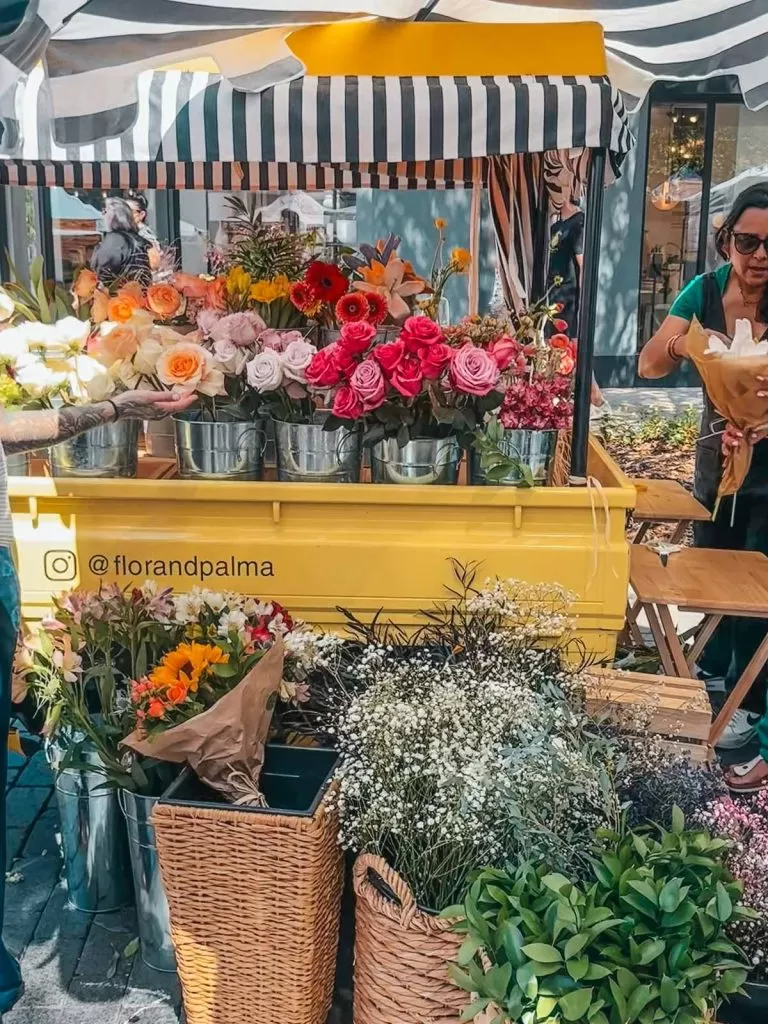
(461,260)
(263,291)
(440,223)
(238,282)
(282,286)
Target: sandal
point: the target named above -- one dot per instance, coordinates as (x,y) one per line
(751,777)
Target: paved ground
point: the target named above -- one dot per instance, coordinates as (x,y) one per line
(667,400)
(73,965)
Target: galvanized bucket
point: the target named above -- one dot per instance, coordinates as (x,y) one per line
(17,464)
(424,460)
(308,454)
(107,451)
(330,334)
(532,448)
(151,904)
(93,839)
(160,438)
(219,450)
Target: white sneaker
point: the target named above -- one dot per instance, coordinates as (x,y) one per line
(740,730)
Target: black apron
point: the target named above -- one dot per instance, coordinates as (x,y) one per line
(739,527)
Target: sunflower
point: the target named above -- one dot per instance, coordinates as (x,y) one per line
(187,666)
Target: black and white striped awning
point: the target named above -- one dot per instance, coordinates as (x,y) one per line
(197,131)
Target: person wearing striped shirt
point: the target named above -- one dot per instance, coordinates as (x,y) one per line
(21,432)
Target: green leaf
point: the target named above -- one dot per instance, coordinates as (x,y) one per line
(461,978)
(651,950)
(575,944)
(575,1005)
(545,1006)
(526,979)
(470,1012)
(578,967)
(497,981)
(672,895)
(542,953)
(731,981)
(646,890)
(619,998)
(684,913)
(468,948)
(669,995)
(723,904)
(597,972)
(627,980)
(511,939)
(638,1001)
(678,821)
(676,955)
(131,949)
(557,883)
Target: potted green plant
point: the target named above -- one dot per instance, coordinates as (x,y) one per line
(643,936)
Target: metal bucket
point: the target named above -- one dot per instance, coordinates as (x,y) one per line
(93,840)
(220,450)
(151,904)
(424,460)
(532,448)
(107,451)
(17,464)
(160,438)
(308,454)
(330,334)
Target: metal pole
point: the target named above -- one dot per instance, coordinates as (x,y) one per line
(426,10)
(587,312)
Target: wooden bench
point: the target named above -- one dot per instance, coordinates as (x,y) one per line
(678,709)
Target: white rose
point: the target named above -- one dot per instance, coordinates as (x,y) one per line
(229,356)
(265,371)
(296,358)
(89,380)
(7,307)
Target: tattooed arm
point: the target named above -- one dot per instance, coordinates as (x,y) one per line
(27,430)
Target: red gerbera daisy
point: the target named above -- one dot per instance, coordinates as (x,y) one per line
(301,296)
(377,308)
(326,281)
(351,307)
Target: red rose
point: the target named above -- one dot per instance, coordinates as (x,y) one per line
(346,404)
(561,326)
(389,355)
(435,359)
(326,281)
(419,332)
(355,338)
(322,372)
(559,341)
(504,350)
(567,363)
(407,376)
(344,361)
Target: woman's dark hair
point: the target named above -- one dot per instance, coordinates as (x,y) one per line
(753,198)
(118,216)
(139,199)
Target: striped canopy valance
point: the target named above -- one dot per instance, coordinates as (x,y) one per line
(188,117)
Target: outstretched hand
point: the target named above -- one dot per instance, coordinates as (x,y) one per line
(151,405)
(733,438)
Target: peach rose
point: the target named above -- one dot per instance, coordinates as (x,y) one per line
(122,307)
(121,342)
(85,284)
(191,286)
(164,300)
(132,290)
(99,306)
(186,367)
(216,295)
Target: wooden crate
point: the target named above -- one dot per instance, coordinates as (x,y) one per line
(679,709)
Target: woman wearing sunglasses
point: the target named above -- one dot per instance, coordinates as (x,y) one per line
(736,290)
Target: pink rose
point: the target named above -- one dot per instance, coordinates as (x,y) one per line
(419,332)
(368,384)
(435,359)
(230,357)
(207,320)
(322,372)
(241,329)
(278,341)
(504,350)
(346,404)
(297,356)
(389,355)
(473,370)
(356,337)
(407,377)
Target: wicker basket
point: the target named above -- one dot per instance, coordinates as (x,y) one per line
(401,954)
(255,902)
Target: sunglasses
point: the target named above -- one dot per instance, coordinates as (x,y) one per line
(746,244)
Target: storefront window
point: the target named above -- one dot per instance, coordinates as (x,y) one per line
(672,204)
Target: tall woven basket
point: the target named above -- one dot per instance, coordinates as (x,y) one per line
(255,903)
(401,953)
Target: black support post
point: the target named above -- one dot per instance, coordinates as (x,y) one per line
(587,312)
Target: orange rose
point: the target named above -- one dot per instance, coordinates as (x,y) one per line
(121,308)
(191,286)
(120,343)
(182,365)
(99,306)
(85,284)
(163,299)
(132,290)
(176,694)
(156,708)
(216,296)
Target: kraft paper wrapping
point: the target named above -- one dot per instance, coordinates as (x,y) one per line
(224,746)
(732,388)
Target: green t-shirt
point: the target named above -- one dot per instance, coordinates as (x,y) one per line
(690,302)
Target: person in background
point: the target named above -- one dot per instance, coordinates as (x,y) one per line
(122,254)
(736,290)
(22,432)
(566,248)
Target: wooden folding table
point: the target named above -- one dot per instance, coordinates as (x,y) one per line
(712,583)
